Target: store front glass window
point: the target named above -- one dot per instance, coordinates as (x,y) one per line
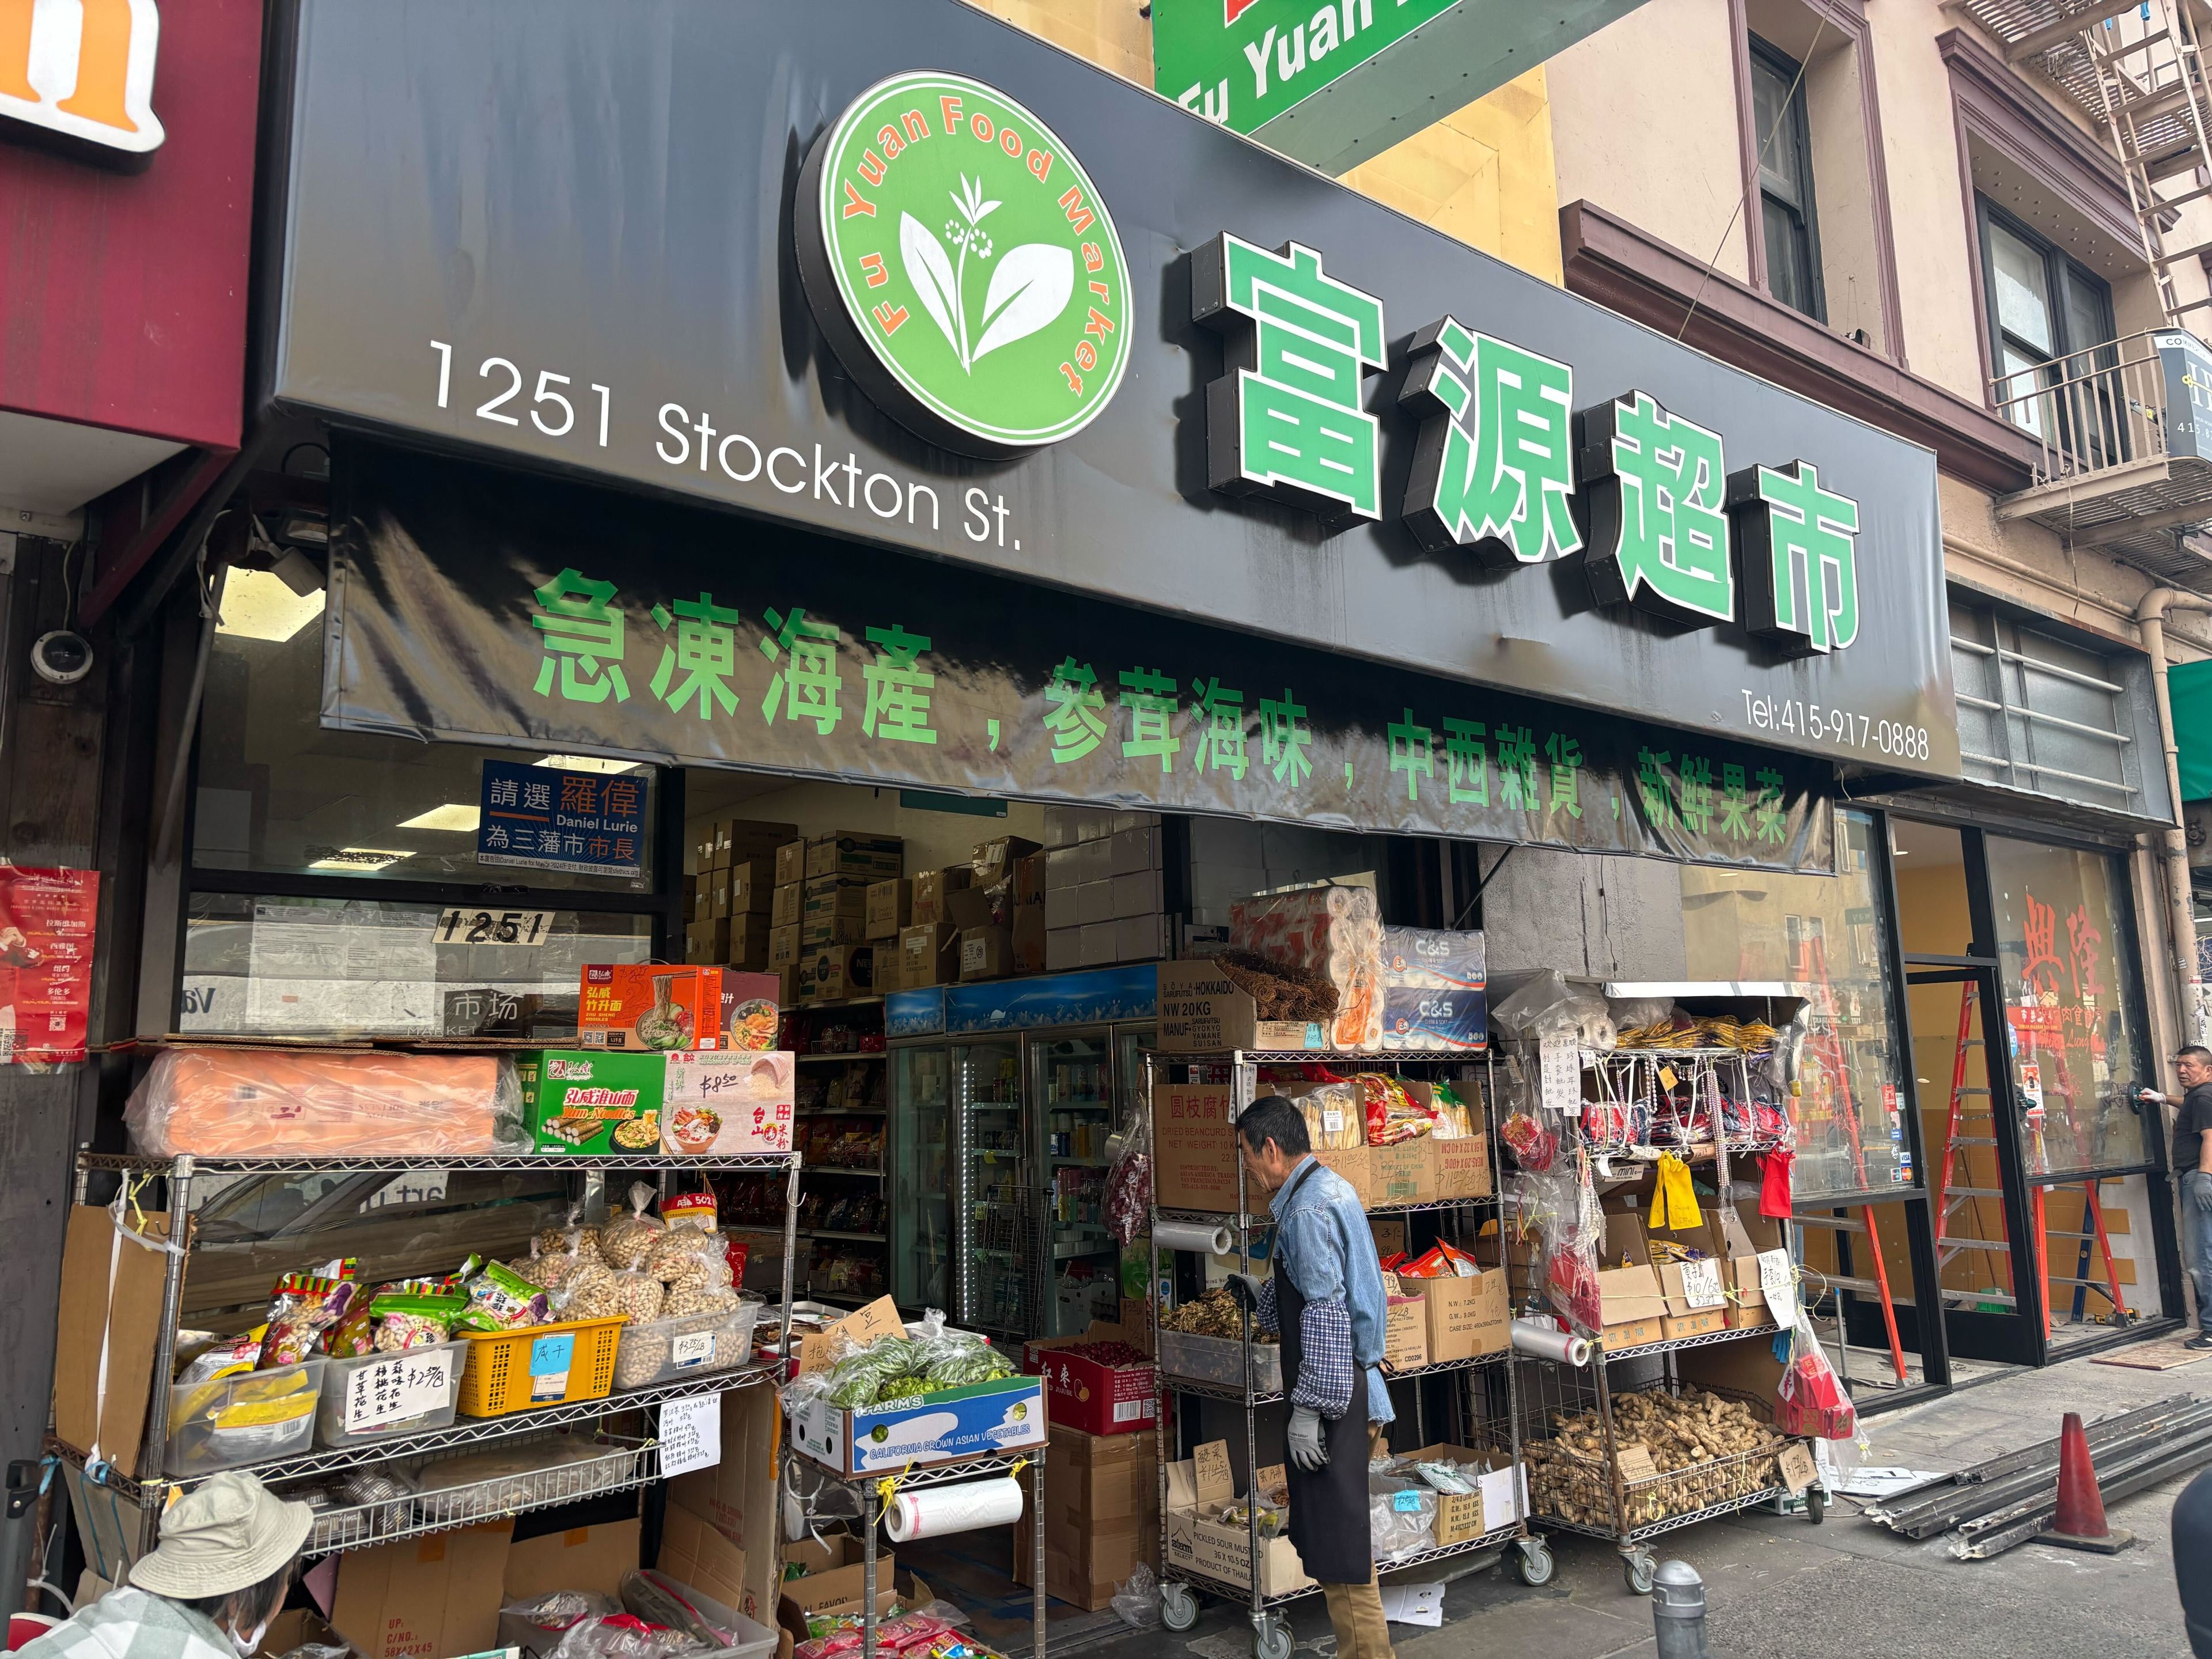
(309,966)
(280,793)
(2066,941)
(1823,936)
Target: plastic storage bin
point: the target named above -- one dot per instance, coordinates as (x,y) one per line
(688,1345)
(1217,1359)
(538,1366)
(247,1419)
(375,1397)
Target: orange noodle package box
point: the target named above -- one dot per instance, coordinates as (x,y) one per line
(649,1006)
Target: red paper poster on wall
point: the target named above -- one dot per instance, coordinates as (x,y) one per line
(46,920)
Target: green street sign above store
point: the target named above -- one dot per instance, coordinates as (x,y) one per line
(991,328)
(1331,84)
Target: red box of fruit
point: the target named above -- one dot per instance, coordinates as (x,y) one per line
(1098,1384)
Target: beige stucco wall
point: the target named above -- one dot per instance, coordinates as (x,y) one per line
(1643,121)
(1484,174)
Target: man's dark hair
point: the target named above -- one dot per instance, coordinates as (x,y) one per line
(2195,1051)
(1272,1117)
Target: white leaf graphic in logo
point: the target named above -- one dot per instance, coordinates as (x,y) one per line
(1029,290)
(931,272)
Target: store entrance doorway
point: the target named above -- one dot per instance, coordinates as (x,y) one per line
(1973,1157)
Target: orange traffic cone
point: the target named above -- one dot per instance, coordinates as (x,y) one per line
(2080,1523)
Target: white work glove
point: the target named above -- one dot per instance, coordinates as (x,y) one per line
(1306,1449)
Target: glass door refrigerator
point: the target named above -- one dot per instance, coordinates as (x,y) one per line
(922,1241)
(992,1182)
(1072,1086)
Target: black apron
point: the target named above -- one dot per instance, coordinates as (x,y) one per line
(1328,1506)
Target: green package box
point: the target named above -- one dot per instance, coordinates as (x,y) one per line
(592,1100)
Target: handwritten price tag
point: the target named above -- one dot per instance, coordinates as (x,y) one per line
(407,1385)
(1561,1063)
(1636,1464)
(690,1435)
(1701,1285)
(1777,1282)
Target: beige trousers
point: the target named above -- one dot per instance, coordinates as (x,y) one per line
(1355,1611)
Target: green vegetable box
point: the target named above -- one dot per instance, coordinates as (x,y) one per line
(976,1420)
(588,1100)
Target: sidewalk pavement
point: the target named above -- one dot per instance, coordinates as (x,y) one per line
(1782,1587)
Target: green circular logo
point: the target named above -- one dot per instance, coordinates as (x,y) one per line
(962,265)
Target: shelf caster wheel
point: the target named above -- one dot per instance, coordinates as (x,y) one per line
(1178,1607)
(1638,1569)
(1532,1562)
(1271,1638)
(1816,1505)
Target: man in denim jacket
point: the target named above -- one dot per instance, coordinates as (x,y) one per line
(1325,1300)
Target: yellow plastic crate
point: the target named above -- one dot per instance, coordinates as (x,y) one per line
(516,1370)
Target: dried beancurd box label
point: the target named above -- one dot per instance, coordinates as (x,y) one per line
(585,1100)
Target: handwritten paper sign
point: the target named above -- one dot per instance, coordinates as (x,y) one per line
(1777,1281)
(407,1385)
(1636,1464)
(1561,1063)
(690,1435)
(1797,1470)
(1701,1285)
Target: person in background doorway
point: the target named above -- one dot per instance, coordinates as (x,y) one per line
(208,1591)
(2192,1171)
(1325,1300)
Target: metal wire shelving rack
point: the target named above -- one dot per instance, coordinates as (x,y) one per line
(132,1500)
(1487,1402)
(1605,1503)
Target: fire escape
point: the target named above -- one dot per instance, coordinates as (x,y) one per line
(2124,428)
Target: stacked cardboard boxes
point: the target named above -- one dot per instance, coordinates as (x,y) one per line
(1105,898)
(818,912)
(1102,1514)
(727,922)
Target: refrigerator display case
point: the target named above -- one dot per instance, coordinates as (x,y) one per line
(1072,1078)
(995,1244)
(923,1218)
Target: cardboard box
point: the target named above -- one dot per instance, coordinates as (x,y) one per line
(929,954)
(1086,1396)
(1094,901)
(1406,1172)
(1389,1232)
(830,1587)
(1405,1327)
(888,907)
(785,904)
(424,1597)
(752,887)
(111,1304)
(728,1102)
(615,997)
(837,971)
(1063,948)
(783,949)
(1095,943)
(791,863)
(293,1629)
(591,1100)
(1032,946)
(986,953)
(1460,1514)
(1062,908)
(993,860)
(748,949)
(1195,1149)
(1198,1490)
(591,1559)
(980,1419)
(753,838)
(736,1497)
(817,933)
(1461,1165)
(1140,939)
(930,887)
(1464,1316)
(1101,1510)
(1200,1010)
(1030,880)
(855,853)
(977,906)
(1140,893)
(692,1552)
(842,896)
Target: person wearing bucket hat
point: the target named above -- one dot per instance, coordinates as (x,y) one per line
(208,1591)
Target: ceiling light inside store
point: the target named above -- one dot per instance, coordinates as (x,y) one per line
(259,604)
(454,815)
(361,860)
(587,764)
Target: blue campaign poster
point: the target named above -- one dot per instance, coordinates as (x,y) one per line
(540,818)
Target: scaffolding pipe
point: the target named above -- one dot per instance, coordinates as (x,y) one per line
(2181,924)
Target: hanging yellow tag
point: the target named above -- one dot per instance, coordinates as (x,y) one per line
(1666,1078)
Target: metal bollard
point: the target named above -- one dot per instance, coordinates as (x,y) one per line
(1678,1612)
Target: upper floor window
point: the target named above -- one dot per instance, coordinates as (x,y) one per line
(2042,308)
(1785,181)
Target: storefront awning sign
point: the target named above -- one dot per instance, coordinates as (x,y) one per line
(488,609)
(1032,320)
